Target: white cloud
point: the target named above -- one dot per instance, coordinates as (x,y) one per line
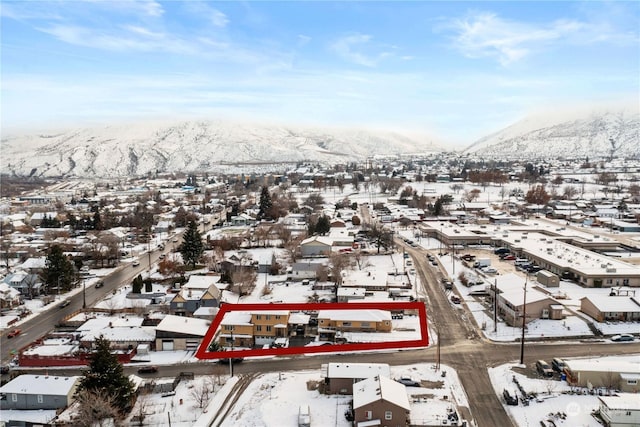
(303,40)
(487,35)
(348,49)
(135,38)
(202,10)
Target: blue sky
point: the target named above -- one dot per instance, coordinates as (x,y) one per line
(454,70)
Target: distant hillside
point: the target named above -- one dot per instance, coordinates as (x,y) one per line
(142,148)
(561,134)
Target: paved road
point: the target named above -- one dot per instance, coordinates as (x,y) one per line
(45,322)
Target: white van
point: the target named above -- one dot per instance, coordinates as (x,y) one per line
(304,416)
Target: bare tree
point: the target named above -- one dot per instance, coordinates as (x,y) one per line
(96,409)
(338,263)
(291,247)
(200,393)
(244,279)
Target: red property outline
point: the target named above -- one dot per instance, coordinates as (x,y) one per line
(203,352)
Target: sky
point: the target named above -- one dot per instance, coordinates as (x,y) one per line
(456,70)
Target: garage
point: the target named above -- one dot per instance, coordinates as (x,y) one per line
(167,345)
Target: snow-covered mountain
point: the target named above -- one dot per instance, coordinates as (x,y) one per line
(566,134)
(148,147)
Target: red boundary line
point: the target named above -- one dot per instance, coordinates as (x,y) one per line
(204,353)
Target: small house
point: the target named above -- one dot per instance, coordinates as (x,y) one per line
(38,392)
(380,401)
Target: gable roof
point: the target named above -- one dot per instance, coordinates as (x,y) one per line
(380,388)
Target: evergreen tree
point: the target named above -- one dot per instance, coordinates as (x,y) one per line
(136,286)
(192,247)
(265,203)
(59,270)
(323,225)
(106,376)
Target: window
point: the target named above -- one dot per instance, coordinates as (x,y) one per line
(14,397)
(179,304)
(388,415)
(259,328)
(346,324)
(632,382)
(268,328)
(258,316)
(228,327)
(268,317)
(40,399)
(365,324)
(368,415)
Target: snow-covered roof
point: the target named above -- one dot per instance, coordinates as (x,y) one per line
(40,384)
(317,239)
(200,282)
(299,319)
(355,315)
(34,263)
(184,325)
(614,304)
(516,296)
(357,370)
(622,402)
(610,364)
(380,388)
(114,335)
(206,311)
(236,318)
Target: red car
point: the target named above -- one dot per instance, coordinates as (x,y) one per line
(14,333)
(508,257)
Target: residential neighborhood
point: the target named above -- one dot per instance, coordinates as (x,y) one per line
(148,265)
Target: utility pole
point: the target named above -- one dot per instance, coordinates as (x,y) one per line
(495,305)
(524,317)
(84,293)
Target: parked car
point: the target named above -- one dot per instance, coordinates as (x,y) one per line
(468,257)
(99,284)
(14,333)
(489,270)
(544,369)
(455,299)
(558,364)
(408,382)
(508,257)
(147,369)
(623,337)
(135,263)
(234,360)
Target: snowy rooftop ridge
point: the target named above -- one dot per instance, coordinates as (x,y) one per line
(380,388)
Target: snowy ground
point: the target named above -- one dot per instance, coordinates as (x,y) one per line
(273,399)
